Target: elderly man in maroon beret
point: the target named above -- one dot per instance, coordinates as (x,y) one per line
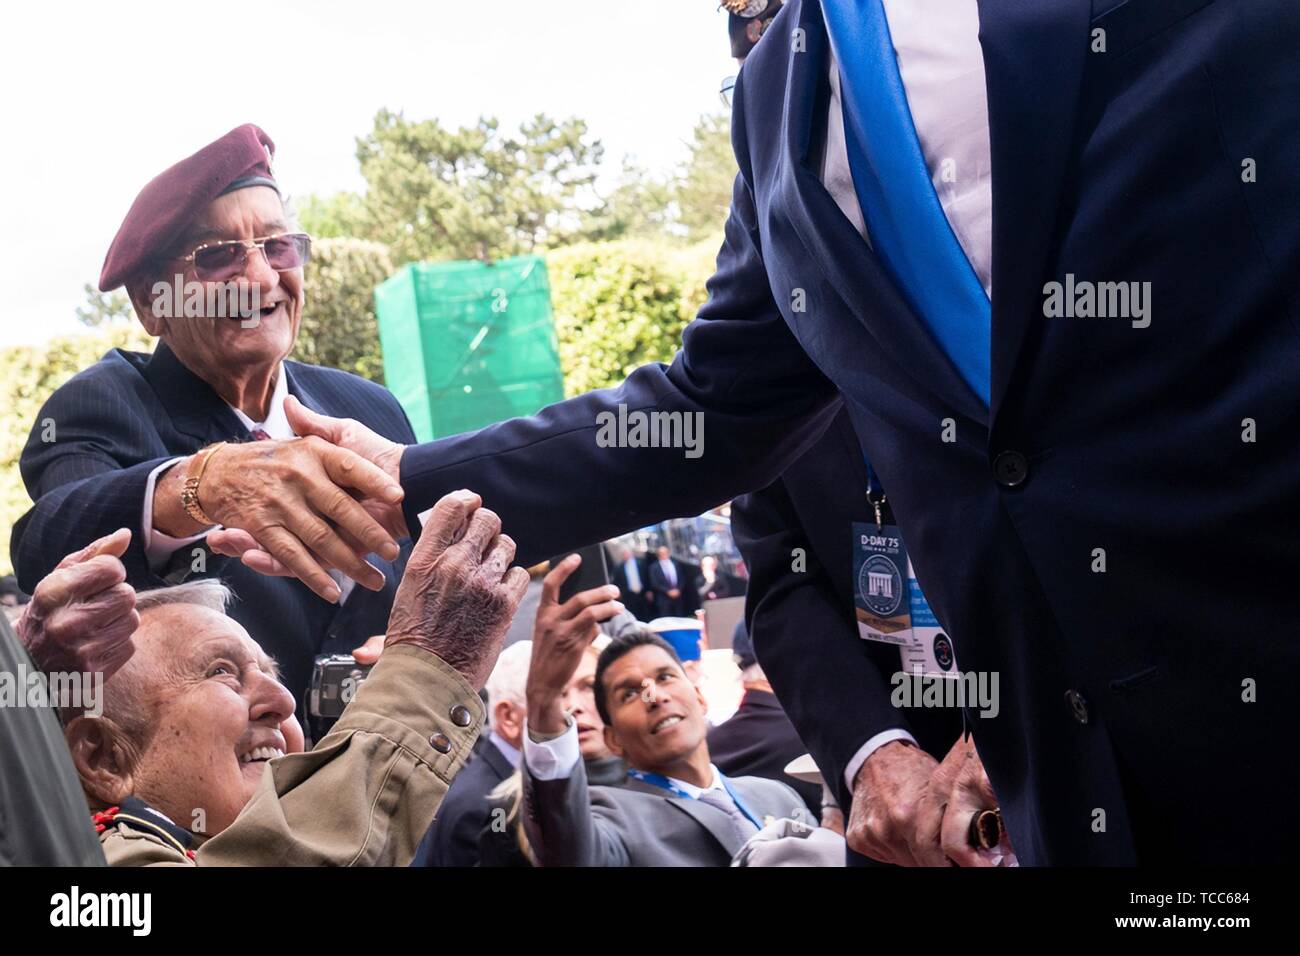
(196,437)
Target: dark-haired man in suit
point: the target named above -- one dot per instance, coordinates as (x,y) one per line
(677,808)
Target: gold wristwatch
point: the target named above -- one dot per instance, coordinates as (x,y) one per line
(190,489)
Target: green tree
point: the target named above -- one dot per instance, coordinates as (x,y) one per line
(703,190)
(475,192)
(338,322)
(621,304)
(103,308)
(334,216)
(640,206)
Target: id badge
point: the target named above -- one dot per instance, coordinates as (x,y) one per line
(929,650)
(880,591)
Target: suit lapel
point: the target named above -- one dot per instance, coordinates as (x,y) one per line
(495,759)
(717,823)
(834,244)
(191,403)
(299,389)
(1034,54)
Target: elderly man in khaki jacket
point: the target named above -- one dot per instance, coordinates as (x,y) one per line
(196,757)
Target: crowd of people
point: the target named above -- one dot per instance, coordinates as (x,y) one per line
(278,610)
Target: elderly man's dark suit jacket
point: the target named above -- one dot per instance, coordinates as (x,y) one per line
(129,412)
(452,838)
(1131,699)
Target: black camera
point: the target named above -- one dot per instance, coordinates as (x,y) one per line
(334,682)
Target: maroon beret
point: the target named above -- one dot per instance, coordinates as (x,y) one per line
(165,207)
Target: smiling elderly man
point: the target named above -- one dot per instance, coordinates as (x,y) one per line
(197,757)
(174,444)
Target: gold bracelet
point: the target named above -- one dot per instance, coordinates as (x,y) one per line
(190,489)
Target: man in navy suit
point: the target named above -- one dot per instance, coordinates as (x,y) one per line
(121,444)
(672,585)
(836,687)
(1044,255)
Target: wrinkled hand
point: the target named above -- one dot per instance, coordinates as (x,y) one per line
(82,614)
(295,500)
(886,797)
(459,592)
(561,635)
(969,792)
(351,436)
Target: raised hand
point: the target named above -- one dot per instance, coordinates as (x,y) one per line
(459,592)
(561,634)
(82,614)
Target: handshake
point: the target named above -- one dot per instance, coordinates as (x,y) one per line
(298,508)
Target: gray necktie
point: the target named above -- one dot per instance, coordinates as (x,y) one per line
(720,799)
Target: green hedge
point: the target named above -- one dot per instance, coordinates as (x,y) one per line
(622,304)
(28,376)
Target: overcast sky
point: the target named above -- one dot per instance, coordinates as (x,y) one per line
(100,97)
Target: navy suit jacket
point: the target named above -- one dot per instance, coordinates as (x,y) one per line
(130,412)
(835,687)
(453,837)
(1131,699)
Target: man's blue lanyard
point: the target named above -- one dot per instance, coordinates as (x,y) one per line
(663,783)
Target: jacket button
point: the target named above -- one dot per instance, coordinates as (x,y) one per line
(1010,469)
(1078,706)
(440,742)
(460,716)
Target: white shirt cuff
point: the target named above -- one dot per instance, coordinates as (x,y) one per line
(552,759)
(871,746)
(159,547)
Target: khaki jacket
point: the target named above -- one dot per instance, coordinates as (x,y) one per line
(364,796)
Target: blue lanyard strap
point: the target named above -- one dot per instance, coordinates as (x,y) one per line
(663,783)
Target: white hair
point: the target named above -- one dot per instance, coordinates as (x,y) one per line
(204,592)
(509,678)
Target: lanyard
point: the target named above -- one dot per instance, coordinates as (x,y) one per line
(663,783)
(877,504)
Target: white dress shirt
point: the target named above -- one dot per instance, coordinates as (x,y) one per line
(508,750)
(942,67)
(555,758)
(670,571)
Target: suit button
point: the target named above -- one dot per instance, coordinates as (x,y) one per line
(1010,469)
(1078,706)
(460,716)
(440,742)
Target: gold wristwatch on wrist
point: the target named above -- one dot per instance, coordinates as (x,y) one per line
(190,488)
